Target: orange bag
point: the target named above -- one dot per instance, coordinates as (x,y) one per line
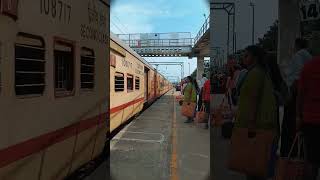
(294,168)
(217,119)
(188,109)
(250,155)
(201,116)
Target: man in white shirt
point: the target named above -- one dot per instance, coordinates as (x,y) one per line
(301,56)
(201,83)
(203,80)
(292,75)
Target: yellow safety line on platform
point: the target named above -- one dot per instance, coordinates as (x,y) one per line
(174,164)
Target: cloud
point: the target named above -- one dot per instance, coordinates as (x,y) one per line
(132,18)
(141,10)
(140,17)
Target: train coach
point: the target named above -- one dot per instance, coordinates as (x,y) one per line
(54,67)
(134,83)
(54,86)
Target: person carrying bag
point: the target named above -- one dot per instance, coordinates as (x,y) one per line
(255,133)
(206,101)
(190,99)
(294,168)
(308,113)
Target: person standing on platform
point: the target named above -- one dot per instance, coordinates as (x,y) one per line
(190,94)
(183,84)
(292,74)
(230,83)
(206,99)
(308,113)
(241,77)
(257,108)
(196,85)
(203,80)
(201,84)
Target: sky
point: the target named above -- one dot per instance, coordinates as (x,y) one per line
(161,16)
(265,13)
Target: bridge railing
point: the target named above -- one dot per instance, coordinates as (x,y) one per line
(202,30)
(141,43)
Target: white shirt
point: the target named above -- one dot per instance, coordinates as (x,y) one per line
(292,71)
(202,81)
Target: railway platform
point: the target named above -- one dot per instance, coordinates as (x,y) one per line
(158,145)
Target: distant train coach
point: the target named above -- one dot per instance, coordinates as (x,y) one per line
(133,83)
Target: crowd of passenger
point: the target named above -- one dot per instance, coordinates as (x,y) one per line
(257,90)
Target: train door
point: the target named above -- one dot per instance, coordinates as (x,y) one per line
(146,87)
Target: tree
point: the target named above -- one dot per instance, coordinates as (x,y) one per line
(269,41)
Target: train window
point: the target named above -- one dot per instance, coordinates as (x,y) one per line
(129,82)
(87,68)
(118,82)
(64,68)
(137,83)
(29,65)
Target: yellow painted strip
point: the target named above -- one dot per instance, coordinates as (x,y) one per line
(174,164)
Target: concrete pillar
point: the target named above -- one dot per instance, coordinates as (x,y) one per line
(289,29)
(200,67)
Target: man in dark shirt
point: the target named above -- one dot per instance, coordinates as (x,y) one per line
(308,112)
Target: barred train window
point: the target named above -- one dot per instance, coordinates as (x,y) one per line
(29,65)
(63,68)
(137,83)
(87,68)
(129,82)
(118,82)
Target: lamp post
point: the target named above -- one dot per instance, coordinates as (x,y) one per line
(252,5)
(189,68)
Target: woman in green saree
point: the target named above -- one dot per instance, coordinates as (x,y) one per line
(190,95)
(257,108)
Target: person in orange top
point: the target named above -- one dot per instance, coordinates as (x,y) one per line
(308,113)
(206,99)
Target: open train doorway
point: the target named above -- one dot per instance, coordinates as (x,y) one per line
(146,84)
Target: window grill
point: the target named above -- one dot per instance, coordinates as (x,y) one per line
(137,83)
(129,83)
(87,69)
(119,82)
(29,65)
(64,68)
